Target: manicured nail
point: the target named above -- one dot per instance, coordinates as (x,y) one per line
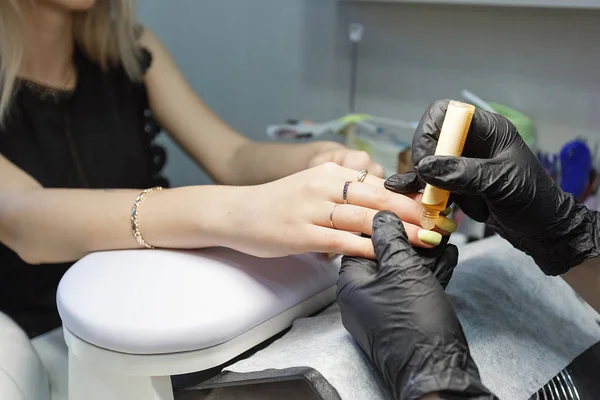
(446,212)
(446,224)
(326,256)
(429,237)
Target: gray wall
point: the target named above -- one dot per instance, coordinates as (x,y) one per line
(544,62)
(256,62)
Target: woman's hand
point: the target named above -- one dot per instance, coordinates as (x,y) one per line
(398,313)
(341,155)
(295,215)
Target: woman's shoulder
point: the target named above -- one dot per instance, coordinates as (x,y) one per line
(145,42)
(150,46)
(143,56)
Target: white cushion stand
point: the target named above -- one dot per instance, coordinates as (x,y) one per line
(133,318)
(22,374)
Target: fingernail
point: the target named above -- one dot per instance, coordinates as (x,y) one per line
(325,256)
(429,237)
(446,212)
(446,224)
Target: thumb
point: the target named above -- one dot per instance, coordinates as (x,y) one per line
(445,264)
(455,174)
(406,183)
(390,241)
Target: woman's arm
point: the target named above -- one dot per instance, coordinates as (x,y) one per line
(59,225)
(227,156)
(264,162)
(288,216)
(207,139)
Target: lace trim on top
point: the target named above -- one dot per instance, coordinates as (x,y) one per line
(45,92)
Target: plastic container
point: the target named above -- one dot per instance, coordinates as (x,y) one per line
(383,139)
(522,122)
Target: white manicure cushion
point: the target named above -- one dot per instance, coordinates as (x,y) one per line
(161,301)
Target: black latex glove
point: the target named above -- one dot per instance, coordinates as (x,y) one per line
(400,316)
(503,184)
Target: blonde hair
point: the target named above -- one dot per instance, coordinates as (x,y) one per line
(107,33)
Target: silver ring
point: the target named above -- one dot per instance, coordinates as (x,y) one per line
(362,174)
(345,191)
(331,216)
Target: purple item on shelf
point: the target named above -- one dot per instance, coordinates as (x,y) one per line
(576,164)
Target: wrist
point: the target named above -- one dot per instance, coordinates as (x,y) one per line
(219,214)
(567,244)
(190,217)
(584,240)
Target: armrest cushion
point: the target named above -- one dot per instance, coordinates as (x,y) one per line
(163,301)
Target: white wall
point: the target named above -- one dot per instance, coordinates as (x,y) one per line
(256,62)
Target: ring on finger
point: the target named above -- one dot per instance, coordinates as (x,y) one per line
(331,216)
(345,191)
(362,174)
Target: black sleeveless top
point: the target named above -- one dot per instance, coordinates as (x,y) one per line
(97,136)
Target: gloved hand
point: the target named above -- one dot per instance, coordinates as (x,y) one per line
(397,311)
(503,184)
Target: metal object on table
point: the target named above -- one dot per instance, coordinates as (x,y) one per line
(298,383)
(561,387)
(355,33)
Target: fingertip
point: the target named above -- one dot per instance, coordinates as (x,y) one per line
(430,238)
(385,217)
(403,183)
(412,232)
(441,232)
(377,170)
(446,224)
(327,256)
(452,249)
(451,253)
(388,228)
(446,211)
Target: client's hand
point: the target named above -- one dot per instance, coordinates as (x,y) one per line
(306,212)
(502,183)
(341,155)
(397,311)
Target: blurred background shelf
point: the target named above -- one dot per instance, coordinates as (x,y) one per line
(580,4)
